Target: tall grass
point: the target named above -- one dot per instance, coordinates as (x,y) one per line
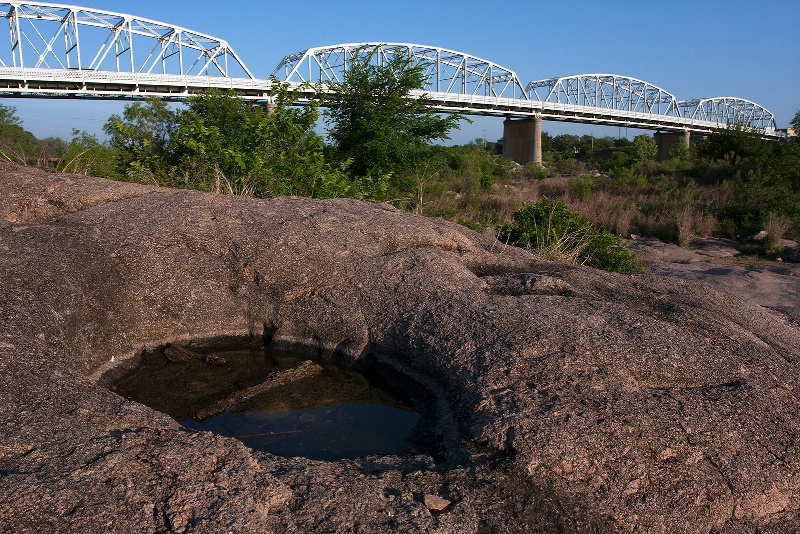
(776,227)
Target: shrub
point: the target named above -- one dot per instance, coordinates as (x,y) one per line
(581,187)
(554,232)
(535,171)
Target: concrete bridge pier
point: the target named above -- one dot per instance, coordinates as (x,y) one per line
(522,140)
(666,141)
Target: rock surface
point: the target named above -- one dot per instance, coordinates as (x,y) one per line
(772,284)
(567,399)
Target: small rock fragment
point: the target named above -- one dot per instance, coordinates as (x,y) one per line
(436,503)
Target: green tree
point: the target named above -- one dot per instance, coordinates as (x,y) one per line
(142,135)
(735,145)
(643,148)
(680,151)
(375,123)
(567,144)
(16,144)
(220,142)
(86,155)
(547,142)
(226,142)
(295,153)
(795,123)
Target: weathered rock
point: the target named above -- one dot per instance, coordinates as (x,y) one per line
(791,251)
(567,399)
(436,503)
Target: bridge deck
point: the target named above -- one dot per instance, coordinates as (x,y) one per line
(73,83)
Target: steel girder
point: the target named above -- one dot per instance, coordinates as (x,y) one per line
(728,110)
(606,91)
(446,71)
(53,36)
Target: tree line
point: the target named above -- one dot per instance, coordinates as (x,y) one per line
(381,146)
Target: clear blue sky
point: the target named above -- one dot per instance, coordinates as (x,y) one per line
(691,48)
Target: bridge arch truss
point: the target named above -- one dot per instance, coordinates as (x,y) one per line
(728,111)
(63,37)
(607,92)
(446,71)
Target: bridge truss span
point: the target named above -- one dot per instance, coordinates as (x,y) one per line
(446,71)
(728,110)
(606,92)
(69,51)
(65,37)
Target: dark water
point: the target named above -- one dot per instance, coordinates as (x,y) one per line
(343,431)
(336,414)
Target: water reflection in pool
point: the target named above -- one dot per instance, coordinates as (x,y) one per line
(333,414)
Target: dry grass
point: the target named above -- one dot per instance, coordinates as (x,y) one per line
(668,210)
(777,226)
(684,224)
(607,210)
(677,222)
(554,187)
(704,224)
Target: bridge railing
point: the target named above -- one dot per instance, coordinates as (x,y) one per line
(72,80)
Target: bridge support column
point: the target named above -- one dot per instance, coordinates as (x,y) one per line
(522,140)
(666,141)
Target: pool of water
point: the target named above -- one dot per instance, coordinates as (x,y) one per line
(334,413)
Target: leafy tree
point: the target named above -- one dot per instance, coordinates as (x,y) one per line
(8,117)
(622,142)
(296,159)
(220,137)
(680,151)
(566,143)
(601,143)
(375,123)
(52,147)
(763,177)
(795,123)
(16,144)
(86,155)
(734,145)
(223,140)
(643,148)
(220,142)
(142,135)
(547,142)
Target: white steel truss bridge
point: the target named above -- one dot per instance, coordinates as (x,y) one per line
(70,51)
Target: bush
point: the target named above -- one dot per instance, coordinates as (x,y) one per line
(581,187)
(535,171)
(551,230)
